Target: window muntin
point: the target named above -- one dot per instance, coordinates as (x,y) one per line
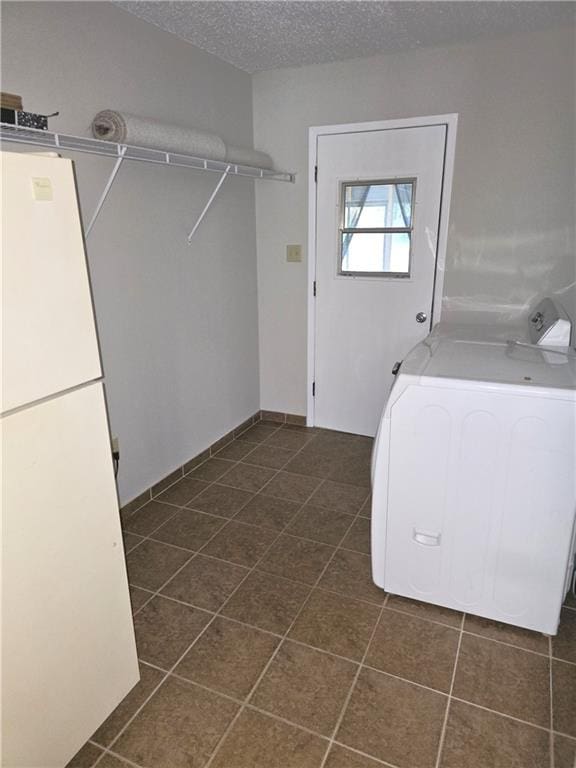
(376,228)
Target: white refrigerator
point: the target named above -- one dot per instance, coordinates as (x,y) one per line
(68,648)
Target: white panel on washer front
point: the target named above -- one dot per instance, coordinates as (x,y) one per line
(418,479)
(476,481)
(68,649)
(534,519)
(48,329)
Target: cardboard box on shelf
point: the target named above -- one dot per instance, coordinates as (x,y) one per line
(11,101)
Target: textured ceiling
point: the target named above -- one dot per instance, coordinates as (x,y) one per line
(270,34)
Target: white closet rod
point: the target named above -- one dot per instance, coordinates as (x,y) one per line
(60,141)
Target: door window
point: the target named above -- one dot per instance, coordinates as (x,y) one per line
(376,228)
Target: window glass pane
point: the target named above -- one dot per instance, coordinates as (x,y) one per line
(378,205)
(376,252)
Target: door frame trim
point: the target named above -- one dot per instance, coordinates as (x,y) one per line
(450,121)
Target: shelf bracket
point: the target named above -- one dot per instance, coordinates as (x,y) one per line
(104,195)
(209,203)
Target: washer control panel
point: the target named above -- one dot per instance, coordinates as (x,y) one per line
(549,325)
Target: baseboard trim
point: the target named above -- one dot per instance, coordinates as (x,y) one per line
(143,498)
(283,418)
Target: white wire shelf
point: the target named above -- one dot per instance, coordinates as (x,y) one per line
(60,141)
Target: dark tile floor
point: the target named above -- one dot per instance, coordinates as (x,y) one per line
(264,643)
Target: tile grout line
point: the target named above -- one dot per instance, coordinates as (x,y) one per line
(209,483)
(284,637)
(155,497)
(272,634)
(280,644)
(285,528)
(332,591)
(286,531)
(353,685)
(365,666)
(564,735)
(123,760)
(320,650)
(119,757)
(304,645)
(177,508)
(506,715)
(261,711)
(180,658)
(254,708)
(156,594)
(357,515)
(194,553)
(337,547)
(450,693)
(168,673)
(218,481)
(518,647)
(413,615)
(376,669)
(254,420)
(483,637)
(365,754)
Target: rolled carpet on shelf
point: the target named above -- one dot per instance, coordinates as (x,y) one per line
(124,128)
(241,156)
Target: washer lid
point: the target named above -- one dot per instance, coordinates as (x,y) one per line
(498,363)
(481,331)
(545,323)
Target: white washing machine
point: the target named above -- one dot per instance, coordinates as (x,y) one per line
(474,472)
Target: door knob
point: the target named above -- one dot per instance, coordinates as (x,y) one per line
(421,317)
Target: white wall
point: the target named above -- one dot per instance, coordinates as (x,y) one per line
(512,218)
(178,324)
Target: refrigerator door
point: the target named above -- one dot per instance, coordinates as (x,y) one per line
(68,653)
(48,329)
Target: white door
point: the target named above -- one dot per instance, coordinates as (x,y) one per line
(68,648)
(378,204)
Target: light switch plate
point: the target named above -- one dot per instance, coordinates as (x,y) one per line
(293,253)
